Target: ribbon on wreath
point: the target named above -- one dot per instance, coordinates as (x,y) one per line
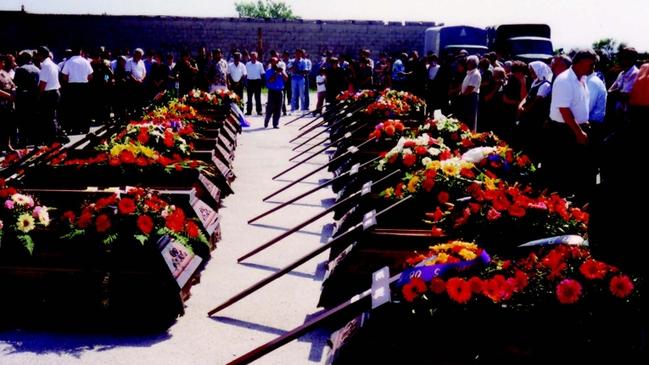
(427,273)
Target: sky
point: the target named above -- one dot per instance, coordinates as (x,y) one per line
(574,23)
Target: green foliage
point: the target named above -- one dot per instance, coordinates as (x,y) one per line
(141,238)
(27,241)
(608,46)
(264,9)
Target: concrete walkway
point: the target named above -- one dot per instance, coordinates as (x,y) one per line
(275,309)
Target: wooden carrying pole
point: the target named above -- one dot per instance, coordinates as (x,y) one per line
(346,235)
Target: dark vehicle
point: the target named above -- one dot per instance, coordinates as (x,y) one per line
(446,40)
(524,42)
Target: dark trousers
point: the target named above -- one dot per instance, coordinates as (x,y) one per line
(76,107)
(237,88)
(254,89)
(568,166)
(273,107)
(306,93)
(288,95)
(48,128)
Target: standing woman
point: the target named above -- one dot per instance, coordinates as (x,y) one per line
(470,92)
(535,108)
(7,94)
(514,92)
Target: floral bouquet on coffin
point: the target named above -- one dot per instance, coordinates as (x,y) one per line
(395,104)
(204,101)
(21,216)
(457,135)
(348,97)
(563,274)
(167,138)
(412,153)
(501,162)
(139,214)
(507,215)
(175,110)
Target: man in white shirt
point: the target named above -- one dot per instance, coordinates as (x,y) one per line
(137,70)
(254,69)
(49,96)
(621,88)
(237,75)
(77,71)
(569,166)
(470,92)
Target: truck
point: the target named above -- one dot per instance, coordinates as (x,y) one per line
(523,42)
(445,40)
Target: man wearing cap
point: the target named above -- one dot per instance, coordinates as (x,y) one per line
(568,168)
(275,80)
(50,96)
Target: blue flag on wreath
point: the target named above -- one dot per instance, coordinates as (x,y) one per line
(242,119)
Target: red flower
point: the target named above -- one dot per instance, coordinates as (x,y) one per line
(114,162)
(445,155)
(476,285)
(568,291)
(398,126)
(389,130)
(168,139)
(69,216)
(142,161)
(421,150)
(621,286)
(592,269)
(520,280)
(516,211)
(127,157)
(436,232)
(438,214)
(437,286)
(145,224)
(126,206)
(409,144)
(164,161)
(413,289)
(103,223)
(500,202)
(442,197)
(175,221)
(409,159)
(192,229)
(493,215)
(143,135)
(459,290)
(85,219)
(468,173)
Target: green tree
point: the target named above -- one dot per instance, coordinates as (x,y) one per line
(608,46)
(264,9)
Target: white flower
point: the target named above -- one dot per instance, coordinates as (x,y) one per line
(44,217)
(400,144)
(23,200)
(426,160)
(407,151)
(434,151)
(477,154)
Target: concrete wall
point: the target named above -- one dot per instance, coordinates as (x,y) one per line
(22,30)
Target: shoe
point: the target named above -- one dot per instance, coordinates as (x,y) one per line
(266,125)
(259,114)
(284,113)
(248,113)
(276,126)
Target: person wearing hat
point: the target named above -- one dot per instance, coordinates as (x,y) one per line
(276,77)
(50,96)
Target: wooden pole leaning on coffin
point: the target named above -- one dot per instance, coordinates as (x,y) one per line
(347,135)
(329,128)
(346,235)
(341,203)
(331,144)
(350,151)
(309,192)
(331,123)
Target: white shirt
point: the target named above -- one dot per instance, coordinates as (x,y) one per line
(137,69)
(569,92)
(237,72)
(544,90)
(625,80)
(320,82)
(50,74)
(432,72)
(78,69)
(472,78)
(254,70)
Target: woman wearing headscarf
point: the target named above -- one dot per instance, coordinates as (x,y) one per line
(535,108)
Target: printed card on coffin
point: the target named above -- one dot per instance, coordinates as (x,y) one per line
(209,218)
(181,262)
(212,189)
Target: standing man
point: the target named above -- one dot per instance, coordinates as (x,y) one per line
(77,71)
(621,88)
(288,96)
(218,74)
(255,70)
(307,75)
(50,96)
(275,79)
(26,81)
(136,71)
(237,75)
(568,169)
(298,72)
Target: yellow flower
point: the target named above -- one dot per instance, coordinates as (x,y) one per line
(116,149)
(412,184)
(490,183)
(26,222)
(467,255)
(146,151)
(450,168)
(442,258)
(435,165)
